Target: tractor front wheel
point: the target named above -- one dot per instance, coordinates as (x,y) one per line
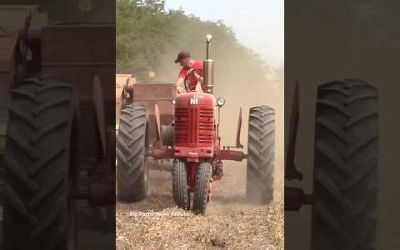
(179,185)
(260,162)
(202,188)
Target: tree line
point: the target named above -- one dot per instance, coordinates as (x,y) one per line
(149,37)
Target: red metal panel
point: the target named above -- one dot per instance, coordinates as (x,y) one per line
(150,94)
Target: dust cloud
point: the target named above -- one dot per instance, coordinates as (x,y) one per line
(242,84)
(230,221)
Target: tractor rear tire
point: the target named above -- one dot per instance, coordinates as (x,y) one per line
(345,170)
(261,155)
(179,185)
(132,170)
(41,166)
(202,188)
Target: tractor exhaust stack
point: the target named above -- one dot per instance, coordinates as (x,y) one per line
(208,68)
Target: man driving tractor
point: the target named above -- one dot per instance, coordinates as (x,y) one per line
(191,74)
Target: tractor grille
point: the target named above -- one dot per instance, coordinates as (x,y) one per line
(206,126)
(194,125)
(181,125)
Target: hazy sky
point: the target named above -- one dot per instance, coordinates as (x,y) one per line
(258,24)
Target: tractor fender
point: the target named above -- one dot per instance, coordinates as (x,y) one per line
(168,135)
(239,129)
(98,102)
(157,120)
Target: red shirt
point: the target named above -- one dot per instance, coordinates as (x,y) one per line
(198,68)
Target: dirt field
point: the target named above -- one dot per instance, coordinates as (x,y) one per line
(230,223)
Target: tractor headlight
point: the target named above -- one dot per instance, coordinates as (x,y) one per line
(220,101)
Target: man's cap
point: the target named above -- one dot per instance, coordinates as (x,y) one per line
(182,55)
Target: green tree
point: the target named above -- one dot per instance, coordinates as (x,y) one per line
(142,29)
(149,37)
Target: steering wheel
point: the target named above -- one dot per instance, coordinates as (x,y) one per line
(186,80)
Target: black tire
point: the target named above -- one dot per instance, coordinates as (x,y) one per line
(201,189)
(261,155)
(132,170)
(345,166)
(179,185)
(41,166)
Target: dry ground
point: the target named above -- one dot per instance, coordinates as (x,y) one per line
(229,223)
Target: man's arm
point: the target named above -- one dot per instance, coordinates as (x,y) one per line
(180,85)
(199,79)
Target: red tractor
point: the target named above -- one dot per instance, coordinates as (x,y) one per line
(193,142)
